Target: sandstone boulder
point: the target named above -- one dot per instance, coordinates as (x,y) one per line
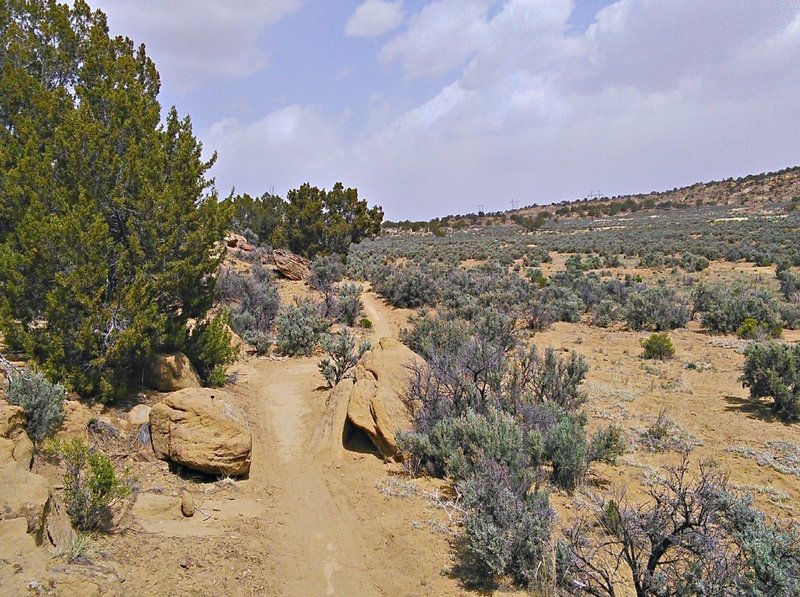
(24,495)
(139,415)
(12,419)
(290,265)
(201,430)
(237,241)
(170,373)
(371,403)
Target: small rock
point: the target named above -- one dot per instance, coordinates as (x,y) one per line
(187,505)
(139,415)
(186,562)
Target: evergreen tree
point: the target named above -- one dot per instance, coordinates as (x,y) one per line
(317,221)
(108,226)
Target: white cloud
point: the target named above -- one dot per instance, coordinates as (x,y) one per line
(374,18)
(441,37)
(198,40)
(282,150)
(652,95)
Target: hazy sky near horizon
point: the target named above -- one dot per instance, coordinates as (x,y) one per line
(436,107)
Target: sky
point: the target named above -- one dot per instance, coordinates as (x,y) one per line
(441,107)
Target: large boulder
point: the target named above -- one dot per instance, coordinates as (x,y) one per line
(23,494)
(170,373)
(373,402)
(290,265)
(201,430)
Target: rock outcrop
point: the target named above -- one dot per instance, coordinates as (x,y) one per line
(237,241)
(201,430)
(290,265)
(170,373)
(371,403)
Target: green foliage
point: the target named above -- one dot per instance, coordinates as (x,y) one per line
(607,444)
(342,355)
(91,485)
(507,530)
(658,346)
(773,370)
(108,226)
(42,401)
(724,309)
(566,446)
(459,445)
(656,308)
(298,328)
(751,329)
(365,323)
(317,221)
(254,302)
(210,346)
(350,305)
(258,216)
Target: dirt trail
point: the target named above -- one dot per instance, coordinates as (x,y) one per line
(330,531)
(318,545)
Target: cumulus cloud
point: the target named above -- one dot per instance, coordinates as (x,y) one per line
(515,104)
(441,37)
(280,151)
(198,40)
(374,18)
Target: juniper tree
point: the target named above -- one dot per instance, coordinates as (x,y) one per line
(107,223)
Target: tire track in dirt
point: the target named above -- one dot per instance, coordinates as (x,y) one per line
(317,547)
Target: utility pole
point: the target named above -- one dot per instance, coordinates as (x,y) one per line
(514,204)
(480,207)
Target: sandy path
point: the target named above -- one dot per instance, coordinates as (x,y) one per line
(316,552)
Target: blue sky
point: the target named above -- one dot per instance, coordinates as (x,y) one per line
(432,107)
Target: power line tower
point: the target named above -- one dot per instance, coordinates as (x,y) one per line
(480,207)
(514,204)
(594,195)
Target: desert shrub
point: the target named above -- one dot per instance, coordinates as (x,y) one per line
(42,401)
(694,263)
(789,282)
(408,287)
(459,445)
(210,346)
(507,529)
(607,444)
(555,380)
(365,323)
(91,485)
(724,309)
(773,370)
(658,346)
(342,355)
(751,329)
(350,305)
(430,333)
(566,447)
(656,308)
(298,328)
(652,259)
(694,536)
(605,313)
(563,302)
(254,304)
(537,277)
(325,273)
